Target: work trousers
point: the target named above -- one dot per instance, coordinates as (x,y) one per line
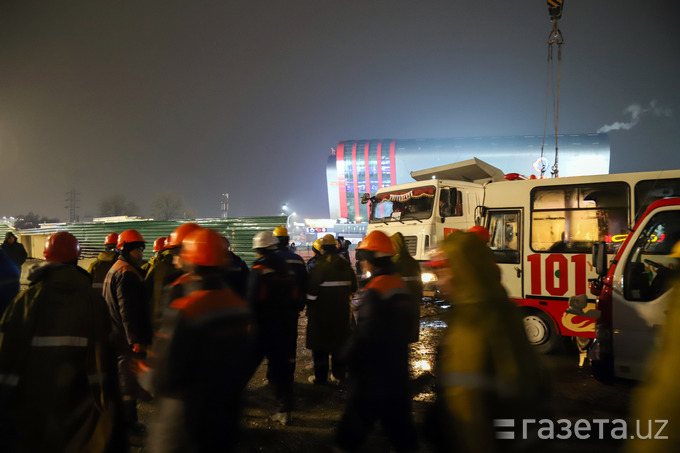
(321,369)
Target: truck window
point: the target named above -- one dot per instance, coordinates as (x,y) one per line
(450,202)
(648,191)
(402,205)
(649,270)
(504,233)
(570,219)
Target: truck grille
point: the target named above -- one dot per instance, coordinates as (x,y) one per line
(411,244)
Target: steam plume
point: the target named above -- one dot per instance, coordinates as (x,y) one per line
(636,112)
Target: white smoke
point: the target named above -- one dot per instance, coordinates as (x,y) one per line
(636,112)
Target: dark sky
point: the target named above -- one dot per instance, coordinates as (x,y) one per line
(141,97)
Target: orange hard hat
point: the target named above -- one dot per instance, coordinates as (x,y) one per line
(128,236)
(204,247)
(480,231)
(61,247)
(111,239)
(177,236)
(378,243)
(159,244)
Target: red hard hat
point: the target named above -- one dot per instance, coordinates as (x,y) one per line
(227,244)
(61,247)
(204,247)
(378,242)
(159,244)
(480,231)
(177,236)
(128,236)
(111,239)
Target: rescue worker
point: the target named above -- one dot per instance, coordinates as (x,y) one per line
(236,271)
(658,398)
(157,273)
(329,293)
(294,262)
(176,280)
(316,248)
(271,294)
(202,358)
(14,249)
(58,386)
(378,354)
(407,266)
(158,247)
(127,300)
(100,267)
(487,369)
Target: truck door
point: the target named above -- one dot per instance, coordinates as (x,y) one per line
(640,291)
(504,229)
(451,210)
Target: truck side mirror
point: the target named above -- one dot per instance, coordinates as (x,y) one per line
(600,258)
(365,198)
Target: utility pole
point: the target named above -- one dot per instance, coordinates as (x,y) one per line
(224,205)
(72,205)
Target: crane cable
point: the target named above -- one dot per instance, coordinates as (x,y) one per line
(554,38)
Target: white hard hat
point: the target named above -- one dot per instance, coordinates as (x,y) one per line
(264,240)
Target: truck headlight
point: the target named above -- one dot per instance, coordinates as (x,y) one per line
(428,277)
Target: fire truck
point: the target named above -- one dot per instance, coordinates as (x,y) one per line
(542,230)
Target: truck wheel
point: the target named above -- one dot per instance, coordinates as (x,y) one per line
(540,331)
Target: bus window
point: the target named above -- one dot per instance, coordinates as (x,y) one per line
(570,219)
(648,191)
(504,233)
(648,270)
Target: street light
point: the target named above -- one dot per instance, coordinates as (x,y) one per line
(288,220)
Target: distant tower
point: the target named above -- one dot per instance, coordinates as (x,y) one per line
(224,205)
(72,205)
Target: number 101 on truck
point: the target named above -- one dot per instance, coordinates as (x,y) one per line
(541,230)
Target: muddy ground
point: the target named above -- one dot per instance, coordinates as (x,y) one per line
(575,395)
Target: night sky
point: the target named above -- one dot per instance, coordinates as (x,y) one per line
(247,97)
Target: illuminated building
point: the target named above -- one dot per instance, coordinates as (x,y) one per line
(390,162)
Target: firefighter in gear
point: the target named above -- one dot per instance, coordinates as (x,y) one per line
(100,267)
(272,297)
(378,354)
(407,266)
(58,385)
(202,356)
(486,369)
(316,248)
(658,398)
(329,292)
(294,262)
(236,271)
(127,300)
(159,269)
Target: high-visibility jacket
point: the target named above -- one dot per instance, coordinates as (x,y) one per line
(377,353)
(203,360)
(329,292)
(99,268)
(58,384)
(487,369)
(298,270)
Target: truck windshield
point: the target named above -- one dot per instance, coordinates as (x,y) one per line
(402,205)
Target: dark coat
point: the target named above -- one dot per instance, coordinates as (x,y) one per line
(329,291)
(15,250)
(56,342)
